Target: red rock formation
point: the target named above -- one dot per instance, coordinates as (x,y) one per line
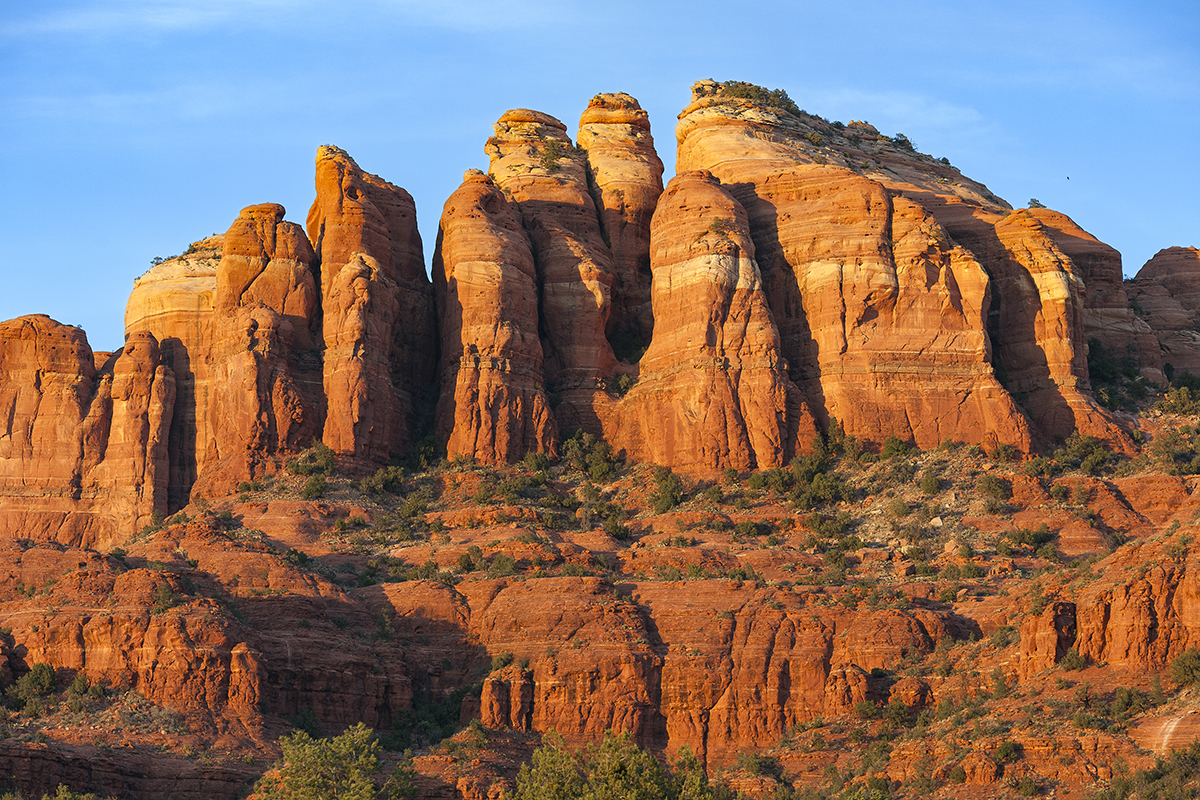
(83,455)
(265,307)
(38,769)
(1143,613)
(882,318)
(1167,292)
(174,302)
(192,654)
(1107,316)
(1047,637)
(626,172)
(1037,322)
(379,333)
(534,162)
(493,405)
(266,261)
(719,666)
(713,391)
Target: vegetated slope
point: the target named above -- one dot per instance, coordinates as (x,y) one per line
(682,496)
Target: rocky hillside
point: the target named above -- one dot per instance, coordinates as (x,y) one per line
(818,460)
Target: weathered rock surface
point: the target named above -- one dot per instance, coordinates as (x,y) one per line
(39,769)
(493,405)
(83,454)
(1036,320)
(882,318)
(1138,618)
(152,628)
(713,391)
(1166,292)
(719,669)
(266,261)
(378,311)
(534,162)
(626,175)
(174,302)
(1107,316)
(265,310)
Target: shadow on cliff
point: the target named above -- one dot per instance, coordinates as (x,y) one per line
(1019,360)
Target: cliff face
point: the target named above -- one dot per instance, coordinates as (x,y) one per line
(377,305)
(534,162)
(822,272)
(493,405)
(1165,293)
(265,309)
(174,302)
(626,177)
(712,391)
(882,317)
(83,452)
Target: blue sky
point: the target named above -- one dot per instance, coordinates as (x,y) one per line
(133,127)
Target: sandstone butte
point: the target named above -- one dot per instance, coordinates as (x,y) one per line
(796,281)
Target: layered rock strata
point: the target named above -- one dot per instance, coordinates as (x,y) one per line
(882,317)
(1107,315)
(717,669)
(713,391)
(534,162)
(265,310)
(174,301)
(1166,292)
(378,312)
(626,175)
(493,405)
(83,453)
(1036,321)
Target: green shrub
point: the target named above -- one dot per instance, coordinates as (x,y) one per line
(30,688)
(1005,453)
(775,98)
(894,447)
(385,479)
(1085,453)
(1007,752)
(1185,668)
(536,462)
(993,487)
(1072,660)
(670,490)
(317,460)
(344,766)
(314,488)
(931,484)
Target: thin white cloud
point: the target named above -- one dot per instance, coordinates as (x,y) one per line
(129,17)
(143,16)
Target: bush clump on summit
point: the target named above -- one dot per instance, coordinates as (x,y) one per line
(776,98)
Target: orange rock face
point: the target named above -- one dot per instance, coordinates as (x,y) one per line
(534,162)
(713,391)
(377,304)
(1166,291)
(265,308)
(882,318)
(627,181)
(493,405)
(1037,322)
(266,261)
(718,666)
(174,302)
(1107,316)
(83,455)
